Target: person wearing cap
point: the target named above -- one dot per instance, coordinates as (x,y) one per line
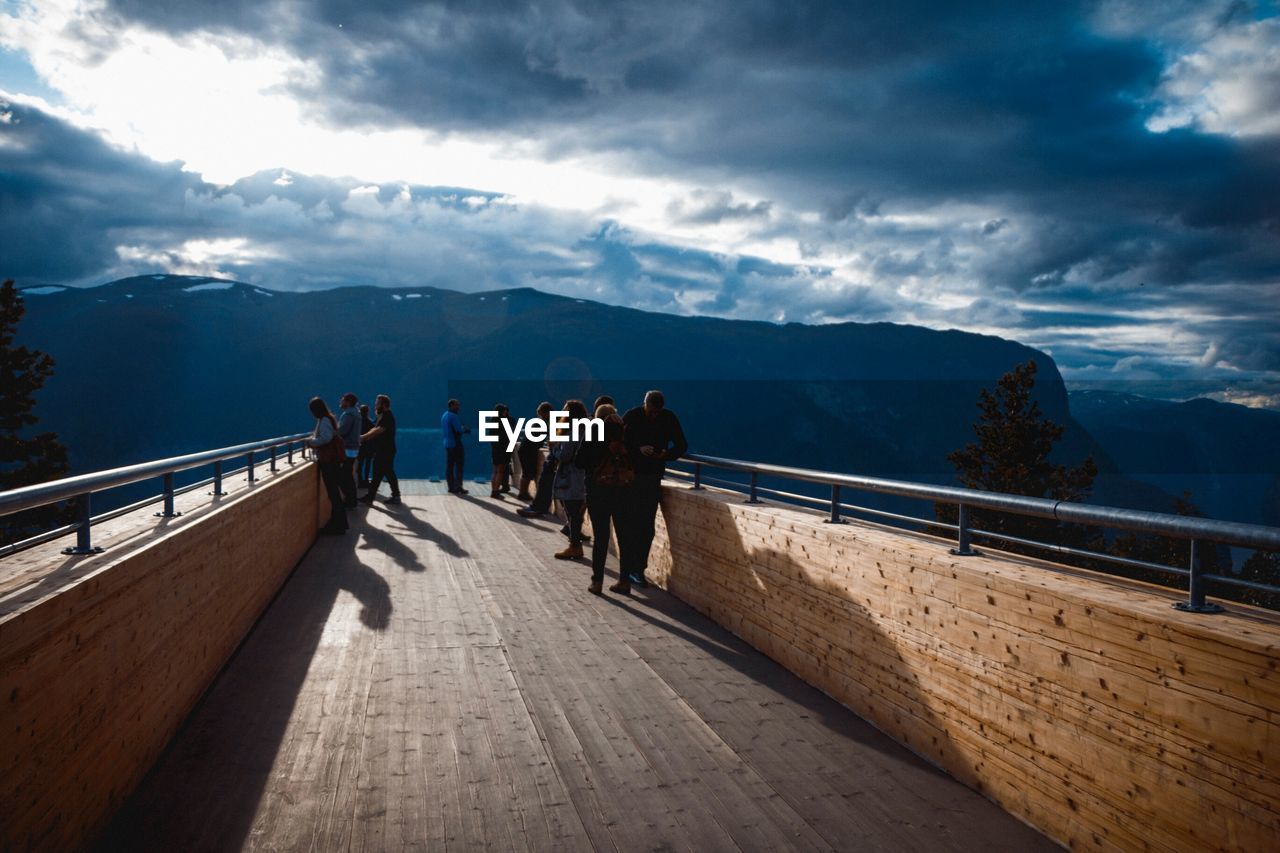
(349,432)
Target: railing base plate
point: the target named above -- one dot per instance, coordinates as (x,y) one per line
(971,552)
(1188,607)
(80,552)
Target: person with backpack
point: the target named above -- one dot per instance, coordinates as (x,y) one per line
(330,455)
(609,475)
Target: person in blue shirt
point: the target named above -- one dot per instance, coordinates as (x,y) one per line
(453,430)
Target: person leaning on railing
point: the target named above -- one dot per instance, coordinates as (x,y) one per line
(330,455)
(654,438)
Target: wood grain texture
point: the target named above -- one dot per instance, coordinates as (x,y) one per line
(103,656)
(1084,704)
(437,680)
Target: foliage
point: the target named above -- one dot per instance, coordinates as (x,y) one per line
(1012,455)
(1262,567)
(24,460)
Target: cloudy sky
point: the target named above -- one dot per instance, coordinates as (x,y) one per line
(1101,179)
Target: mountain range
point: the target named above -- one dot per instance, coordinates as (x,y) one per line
(158,365)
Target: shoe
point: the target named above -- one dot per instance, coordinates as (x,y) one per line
(596,588)
(573,552)
(638,580)
(505,489)
(621,588)
(497,495)
(367,499)
(463,492)
(394,499)
(524,496)
(529,512)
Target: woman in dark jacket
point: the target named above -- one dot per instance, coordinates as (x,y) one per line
(609,473)
(329,456)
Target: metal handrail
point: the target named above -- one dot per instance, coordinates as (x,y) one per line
(82,486)
(1195,530)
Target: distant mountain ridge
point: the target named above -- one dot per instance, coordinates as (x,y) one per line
(155,365)
(1226,455)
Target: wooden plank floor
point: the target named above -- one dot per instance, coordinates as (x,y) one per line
(438,681)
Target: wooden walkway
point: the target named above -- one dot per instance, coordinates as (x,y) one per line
(438,681)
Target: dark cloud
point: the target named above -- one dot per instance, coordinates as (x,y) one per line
(74,210)
(1031,153)
(711,207)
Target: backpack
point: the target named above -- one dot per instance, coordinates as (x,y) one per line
(615,469)
(335,450)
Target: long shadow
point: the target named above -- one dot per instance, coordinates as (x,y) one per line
(875,650)
(207,787)
(508,513)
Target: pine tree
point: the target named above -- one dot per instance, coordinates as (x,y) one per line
(24,460)
(1011,455)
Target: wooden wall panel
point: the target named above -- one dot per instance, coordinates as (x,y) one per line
(1081,703)
(100,665)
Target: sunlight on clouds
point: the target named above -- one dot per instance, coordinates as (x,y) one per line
(1227,85)
(220,104)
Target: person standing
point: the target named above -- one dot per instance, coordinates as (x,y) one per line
(364,462)
(654,437)
(329,456)
(350,432)
(571,484)
(498,452)
(530,453)
(454,455)
(610,474)
(384,455)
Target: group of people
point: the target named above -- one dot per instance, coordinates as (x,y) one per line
(616,481)
(349,441)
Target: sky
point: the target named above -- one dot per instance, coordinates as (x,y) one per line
(1100,180)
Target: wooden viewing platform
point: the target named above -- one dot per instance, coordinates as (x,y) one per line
(437,680)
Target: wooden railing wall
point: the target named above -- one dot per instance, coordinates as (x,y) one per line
(1082,704)
(103,659)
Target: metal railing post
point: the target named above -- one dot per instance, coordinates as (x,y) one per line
(168,499)
(289,449)
(84,519)
(273,460)
(1195,602)
(249,467)
(753,499)
(963,548)
(697,475)
(217,479)
(835,506)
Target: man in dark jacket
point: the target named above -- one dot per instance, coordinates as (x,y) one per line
(654,438)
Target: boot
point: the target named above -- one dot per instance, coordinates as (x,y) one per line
(621,588)
(573,552)
(596,588)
